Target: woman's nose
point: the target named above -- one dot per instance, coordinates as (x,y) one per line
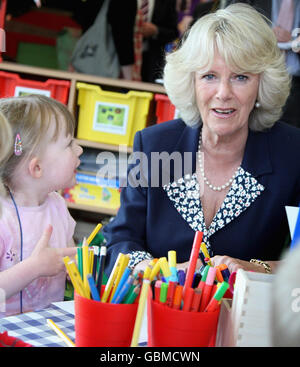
(224,91)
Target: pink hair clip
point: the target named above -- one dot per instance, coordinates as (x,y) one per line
(18,145)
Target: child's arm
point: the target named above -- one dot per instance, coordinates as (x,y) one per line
(71,243)
(44,261)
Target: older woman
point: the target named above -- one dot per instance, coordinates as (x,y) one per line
(239,166)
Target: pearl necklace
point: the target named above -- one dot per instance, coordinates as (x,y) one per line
(210,185)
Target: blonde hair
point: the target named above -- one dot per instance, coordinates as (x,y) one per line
(5,143)
(244,39)
(31,116)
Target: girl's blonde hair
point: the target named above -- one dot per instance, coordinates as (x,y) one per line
(5,144)
(245,40)
(30,117)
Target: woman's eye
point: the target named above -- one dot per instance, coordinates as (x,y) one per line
(208,76)
(241,78)
(71,142)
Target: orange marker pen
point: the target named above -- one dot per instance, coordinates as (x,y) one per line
(219,275)
(177,297)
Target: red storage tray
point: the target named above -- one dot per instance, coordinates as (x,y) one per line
(12,85)
(32,20)
(165,110)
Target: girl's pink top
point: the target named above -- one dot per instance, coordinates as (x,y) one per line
(44,290)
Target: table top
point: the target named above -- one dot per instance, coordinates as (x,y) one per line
(32,328)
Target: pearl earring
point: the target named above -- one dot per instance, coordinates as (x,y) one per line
(257,104)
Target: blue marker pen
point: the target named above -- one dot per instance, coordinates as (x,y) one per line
(181,277)
(93,288)
(121,295)
(123,280)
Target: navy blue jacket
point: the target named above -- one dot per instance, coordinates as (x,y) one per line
(148,221)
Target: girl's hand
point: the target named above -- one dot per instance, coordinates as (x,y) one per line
(49,261)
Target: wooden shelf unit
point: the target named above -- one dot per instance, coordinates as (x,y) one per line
(27,71)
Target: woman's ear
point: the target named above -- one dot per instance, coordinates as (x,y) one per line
(35,168)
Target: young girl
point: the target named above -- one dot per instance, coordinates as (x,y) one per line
(5,142)
(36,227)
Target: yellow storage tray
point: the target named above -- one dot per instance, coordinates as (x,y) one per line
(110,117)
(91,190)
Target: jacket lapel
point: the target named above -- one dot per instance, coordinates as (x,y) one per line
(184,191)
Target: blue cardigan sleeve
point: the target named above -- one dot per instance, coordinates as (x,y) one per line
(126,232)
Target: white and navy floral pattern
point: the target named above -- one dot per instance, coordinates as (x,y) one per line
(185,195)
(138,256)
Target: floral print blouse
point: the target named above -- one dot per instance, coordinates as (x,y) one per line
(185,196)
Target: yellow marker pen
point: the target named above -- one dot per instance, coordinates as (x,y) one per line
(111,279)
(124,260)
(141,308)
(205,253)
(165,267)
(75,279)
(85,265)
(155,271)
(172,261)
(93,234)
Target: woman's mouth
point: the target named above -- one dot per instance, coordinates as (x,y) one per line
(223,112)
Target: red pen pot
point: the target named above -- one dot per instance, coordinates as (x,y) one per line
(168,327)
(100,324)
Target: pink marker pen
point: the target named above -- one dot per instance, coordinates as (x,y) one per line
(206,293)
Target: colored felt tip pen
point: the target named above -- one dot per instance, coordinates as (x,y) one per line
(93,288)
(177,297)
(163,293)
(165,267)
(225,272)
(172,264)
(133,295)
(157,287)
(196,280)
(205,253)
(170,294)
(122,266)
(101,264)
(147,272)
(111,279)
(188,299)
(203,278)
(85,265)
(206,292)
(172,259)
(155,270)
(219,275)
(140,312)
(231,281)
(79,261)
(123,291)
(214,303)
(93,234)
(193,260)
(181,277)
(196,300)
(122,281)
